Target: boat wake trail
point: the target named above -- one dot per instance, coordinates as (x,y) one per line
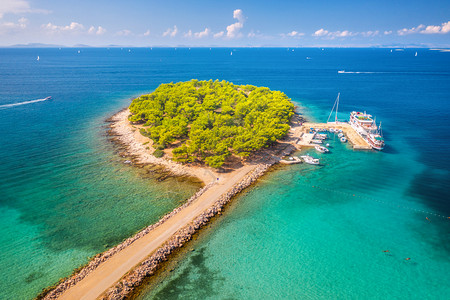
(349,72)
(22,103)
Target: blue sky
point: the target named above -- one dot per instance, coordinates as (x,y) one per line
(226,23)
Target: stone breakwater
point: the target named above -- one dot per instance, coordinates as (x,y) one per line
(148,267)
(102,257)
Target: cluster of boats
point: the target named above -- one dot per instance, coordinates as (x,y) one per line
(364,125)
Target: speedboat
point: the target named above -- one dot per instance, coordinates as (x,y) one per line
(321,149)
(310,160)
(48,98)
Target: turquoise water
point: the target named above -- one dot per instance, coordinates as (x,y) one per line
(302,232)
(308,232)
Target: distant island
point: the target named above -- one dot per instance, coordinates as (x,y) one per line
(209,121)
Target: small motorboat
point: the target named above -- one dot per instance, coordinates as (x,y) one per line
(321,136)
(316,141)
(48,98)
(340,134)
(321,149)
(331,129)
(310,160)
(327,145)
(343,139)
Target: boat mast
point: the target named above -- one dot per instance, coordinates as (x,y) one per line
(331,112)
(337,106)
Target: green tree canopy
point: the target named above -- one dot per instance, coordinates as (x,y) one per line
(212,120)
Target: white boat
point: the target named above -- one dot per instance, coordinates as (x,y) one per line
(321,136)
(231,53)
(321,149)
(38,58)
(331,129)
(327,145)
(48,98)
(316,141)
(366,127)
(343,139)
(375,139)
(415,54)
(341,71)
(310,160)
(340,134)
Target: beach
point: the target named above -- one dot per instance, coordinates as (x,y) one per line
(140,255)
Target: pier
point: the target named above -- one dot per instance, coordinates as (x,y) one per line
(302,138)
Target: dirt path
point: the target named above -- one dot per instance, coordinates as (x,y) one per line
(109,272)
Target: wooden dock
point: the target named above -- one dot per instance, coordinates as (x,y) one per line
(304,137)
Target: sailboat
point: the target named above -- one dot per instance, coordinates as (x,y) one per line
(336,104)
(231,53)
(38,58)
(415,54)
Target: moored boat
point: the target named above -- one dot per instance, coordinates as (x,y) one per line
(343,139)
(321,136)
(310,160)
(316,141)
(366,127)
(321,149)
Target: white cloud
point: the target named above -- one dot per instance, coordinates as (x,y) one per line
(124,32)
(14,7)
(73,27)
(188,34)
(13,27)
(147,33)
(430,29)
(443,28)
(98,31)
(202,34)
(233,30)
(293,33)
(344,34)
(370,33)
(321,32)
(387,32)
(406,31)
(218,34)
(171,32)
(17,7)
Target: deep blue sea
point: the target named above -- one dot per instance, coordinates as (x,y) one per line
(343,229)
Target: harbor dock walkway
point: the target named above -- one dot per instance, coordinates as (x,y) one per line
(304,138)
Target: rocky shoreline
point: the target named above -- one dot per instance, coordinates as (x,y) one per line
(102,257)
(148,267)
(125,135)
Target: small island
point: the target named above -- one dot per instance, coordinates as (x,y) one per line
(210,121)
(225,135)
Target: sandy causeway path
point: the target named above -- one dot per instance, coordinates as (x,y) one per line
(109,272)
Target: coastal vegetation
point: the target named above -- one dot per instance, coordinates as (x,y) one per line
(208,121)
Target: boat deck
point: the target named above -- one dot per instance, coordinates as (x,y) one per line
(304,137)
